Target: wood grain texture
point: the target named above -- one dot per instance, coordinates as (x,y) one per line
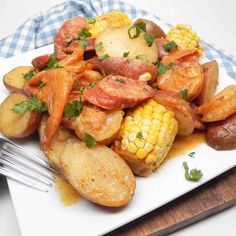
(210,198)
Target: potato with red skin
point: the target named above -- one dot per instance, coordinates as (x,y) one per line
(129,68)
(41,62)
(14,125)
(221,135)
(152,28)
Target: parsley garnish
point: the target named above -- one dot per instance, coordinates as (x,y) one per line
(90,20)
(141,57)
(139,135)
(191,154)
(139,27)
(83,43)
(89,140)
(161,68)
(53,62)
(73,109)
(99,46)
(149,39)
(84,33)
(29,105)
(41,84)
(169,46)
(183,94)
(125,54)
(81,89)
(121,81)
(29,75)
(193,175)
(103,57)
(93,84)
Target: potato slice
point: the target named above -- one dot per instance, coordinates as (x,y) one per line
(210,82)
(59,141)
(102,125)
(116,41)
(14,80)
(13,125)
(98,174)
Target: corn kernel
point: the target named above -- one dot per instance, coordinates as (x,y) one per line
(132,148)
(150,159)
(139,143)
(148,147)
(141,153)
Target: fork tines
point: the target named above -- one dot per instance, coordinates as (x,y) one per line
(25,167)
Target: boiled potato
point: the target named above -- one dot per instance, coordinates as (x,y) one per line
(14,80)
(14,125)
(210,82)
(59,141)
(102,125)
(116,41)
(98,174)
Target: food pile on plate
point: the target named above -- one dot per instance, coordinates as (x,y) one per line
(111,98)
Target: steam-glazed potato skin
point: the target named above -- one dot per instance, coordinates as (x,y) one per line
(102,125)
(13,125)
(14,80)
(151,28)
(221,135)
(210,82)
(98,174)
(59,141)
(132,69)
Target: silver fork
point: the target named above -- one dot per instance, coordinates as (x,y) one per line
(25,167)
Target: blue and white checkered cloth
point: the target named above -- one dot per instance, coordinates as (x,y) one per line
(39,30)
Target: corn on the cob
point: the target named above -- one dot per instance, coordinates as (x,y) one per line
(148,132)
(185,38)
(111,19)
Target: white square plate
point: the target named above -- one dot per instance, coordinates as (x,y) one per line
(43,214)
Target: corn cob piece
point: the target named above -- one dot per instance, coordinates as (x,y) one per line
(146,136)
(111,19)
(185,38)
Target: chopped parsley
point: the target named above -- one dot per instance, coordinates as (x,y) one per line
(73,109)
(53,62)
(192,175)
(138,27)
(139,135)
(141,57)
(99,46)
(103,57)
(161,68)
(83,43)
(191,154)
(93,84)
(169,46)
(84,33)
(29,105)
(183,94)
(125,54)
(121,81)
(41,84)
(81,89)
(29,75)
(149,39)
(89,140)
(90,20)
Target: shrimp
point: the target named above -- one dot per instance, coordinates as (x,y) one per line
(185,74)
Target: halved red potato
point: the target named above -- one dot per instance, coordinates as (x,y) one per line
(14,125)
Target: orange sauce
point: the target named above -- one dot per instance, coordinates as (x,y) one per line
(182,144)
(68,195)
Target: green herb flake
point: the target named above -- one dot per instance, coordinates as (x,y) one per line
(93,84)
(161,68)
(192,175)
(139,135)
(138,27)
(73,109)
(103,57)
(29,75)
(90,20)
(192,154)
(149,39)
(81,89)
(141,57)
(125,54)
(169,46)
(99,47)
(83,43)
(121,81)
(29,105)
(89,140)
(41,84)
(84,33)
(183,94)
(53,62)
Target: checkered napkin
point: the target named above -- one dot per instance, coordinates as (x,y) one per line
(39,30)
